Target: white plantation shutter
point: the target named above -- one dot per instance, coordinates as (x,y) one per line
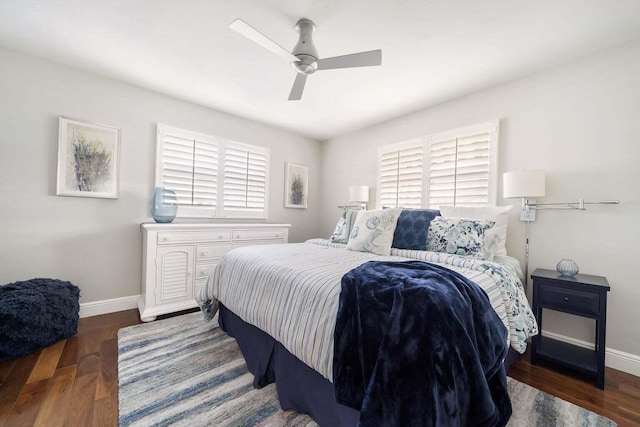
(459,171)
(245,179)
(212,177)
(401,175)
(451,168)
(188,166)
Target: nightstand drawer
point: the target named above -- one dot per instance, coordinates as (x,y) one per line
(569,299)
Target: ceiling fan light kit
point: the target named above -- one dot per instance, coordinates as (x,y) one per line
(304,58)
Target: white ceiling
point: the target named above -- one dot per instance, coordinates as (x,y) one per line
(432,50)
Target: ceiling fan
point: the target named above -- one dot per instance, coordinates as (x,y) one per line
(304,57)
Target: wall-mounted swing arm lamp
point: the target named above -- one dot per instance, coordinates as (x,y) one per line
(357,194)
(531,183)
(528,184)
(579,205)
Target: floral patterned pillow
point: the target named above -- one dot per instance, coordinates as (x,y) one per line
(459,236)
(373,231)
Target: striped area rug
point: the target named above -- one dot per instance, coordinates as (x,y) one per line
(184,372)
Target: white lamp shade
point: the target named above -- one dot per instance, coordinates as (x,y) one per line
(525,183)
(359,193)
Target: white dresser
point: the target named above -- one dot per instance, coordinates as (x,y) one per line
(177,258)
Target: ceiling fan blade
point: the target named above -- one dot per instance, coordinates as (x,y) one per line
(256,36)
(298,87)
(362,59)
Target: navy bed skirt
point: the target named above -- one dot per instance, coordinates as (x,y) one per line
(299,387)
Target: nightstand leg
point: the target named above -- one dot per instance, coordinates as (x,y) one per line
(600,352)
(535,339)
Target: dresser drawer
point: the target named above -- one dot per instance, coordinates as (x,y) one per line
(275,234)
(203,269)
(211,251)
(569,299)
(167,238)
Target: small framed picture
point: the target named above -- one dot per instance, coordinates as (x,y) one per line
(88,158)
(296,186)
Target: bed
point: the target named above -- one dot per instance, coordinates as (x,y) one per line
(281,303)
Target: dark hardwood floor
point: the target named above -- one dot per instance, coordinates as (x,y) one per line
(74,382)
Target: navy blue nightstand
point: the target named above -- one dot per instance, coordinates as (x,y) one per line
(581,295)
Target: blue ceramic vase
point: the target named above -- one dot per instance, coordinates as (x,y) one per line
(164,205)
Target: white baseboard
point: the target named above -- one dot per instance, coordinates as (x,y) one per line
(616,359)
(95,308)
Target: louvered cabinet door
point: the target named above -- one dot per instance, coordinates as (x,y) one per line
(174,273)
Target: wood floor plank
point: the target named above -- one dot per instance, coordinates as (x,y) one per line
(105,411)
(90,323)
(89,364)
(71,353)
(89,341)
(53,410)
(631,416)
(12,385)
(26,408)
(82,401)
(5,409)
(47,362)
(108,371)
(5,368)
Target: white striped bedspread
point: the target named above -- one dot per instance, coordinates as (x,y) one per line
(292,292)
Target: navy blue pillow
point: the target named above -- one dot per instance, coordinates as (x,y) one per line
(413,229)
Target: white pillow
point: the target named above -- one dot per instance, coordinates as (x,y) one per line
(495,237)
(373,231)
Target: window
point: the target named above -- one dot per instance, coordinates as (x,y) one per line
(245,178)
(450,168)
(401,175)
(212,176)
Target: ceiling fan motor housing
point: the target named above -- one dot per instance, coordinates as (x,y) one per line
(304,50)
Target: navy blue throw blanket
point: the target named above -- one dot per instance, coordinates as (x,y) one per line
(417,344)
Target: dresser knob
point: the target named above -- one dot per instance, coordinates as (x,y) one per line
(205,253)
(566,299)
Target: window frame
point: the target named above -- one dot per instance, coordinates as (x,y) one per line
(219,211)
(401,146)
(492,127)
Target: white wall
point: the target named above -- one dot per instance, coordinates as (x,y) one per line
(580,123)
(96,243)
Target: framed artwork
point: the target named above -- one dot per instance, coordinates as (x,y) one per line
(88,158)
(296,186)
